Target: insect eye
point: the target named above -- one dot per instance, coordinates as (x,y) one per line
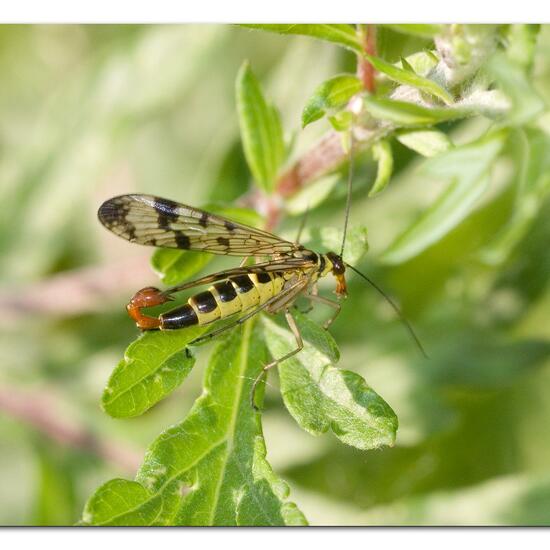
(338,266)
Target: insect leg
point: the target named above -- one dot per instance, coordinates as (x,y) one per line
(314,292)
(331,303)
(299,346)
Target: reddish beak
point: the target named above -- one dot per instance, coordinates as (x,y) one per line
(341,287)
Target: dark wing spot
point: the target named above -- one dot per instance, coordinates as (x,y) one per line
(131,231)
(166,206)
(111,212)
(167,212)
(182,240)
(230,226)
(204,219)
(223,241)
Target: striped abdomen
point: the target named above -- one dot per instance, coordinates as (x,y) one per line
(234,295)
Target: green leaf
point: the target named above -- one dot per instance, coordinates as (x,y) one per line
(467,167)
(261,130)
(343,35)
(533,186)
(428,143)
(341,121)
(120,502)
(409,78)
(329,96)
(421,63)
(423,30)
(522,41)
(381,151)
(404,113)
(516,85)
(211,468)
(174,266)
(320,396)
(329,238)
(153,366)
(406,65)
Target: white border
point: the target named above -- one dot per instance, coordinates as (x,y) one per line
(282,11)
(275,538)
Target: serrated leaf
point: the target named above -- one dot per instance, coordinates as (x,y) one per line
(404,113)
(153,366)
(173,266)
(211,468)
(332,94)
(343,35)
(410,78)
(320,396)
(382,153)
(516,85)
(120,502)
(467,167)
(428,143)
(261,130)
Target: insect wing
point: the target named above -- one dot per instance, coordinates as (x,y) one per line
(291,264)
(153,221)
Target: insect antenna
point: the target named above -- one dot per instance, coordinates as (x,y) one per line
(303,222)
(348,200)
(395,308)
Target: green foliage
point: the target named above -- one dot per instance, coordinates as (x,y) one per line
(343,35)
(428,143)
(331,95)
(459,240)
(320,396)
(410,78)
(261,130)
(381,152)
(468,169)
(403,113)
(423,30)
(526,103)
(153,366)
(211,468)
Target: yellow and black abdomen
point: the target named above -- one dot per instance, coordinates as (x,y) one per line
(234,295)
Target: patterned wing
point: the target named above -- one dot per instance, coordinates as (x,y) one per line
(153,221)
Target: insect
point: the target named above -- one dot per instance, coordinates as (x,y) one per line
(271,286)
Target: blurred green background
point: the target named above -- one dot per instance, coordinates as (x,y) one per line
(89,112)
